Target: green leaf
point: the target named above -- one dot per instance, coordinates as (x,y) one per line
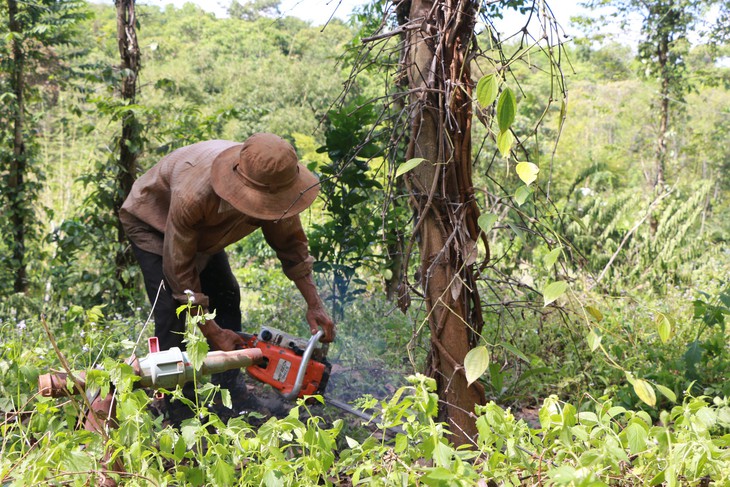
(487,89)
(223,472)
(552,257)
(506,109)
(505,140)
(635,438)
(514,351)
(595,313)
(518,232)
(666,392)
(527,172)
(521,195)
(486,221)
(439,475)
(553,291)
(409,165)
(664,327)
(594,340)
(645,392)
(272,478)
(476,363)
(442,454)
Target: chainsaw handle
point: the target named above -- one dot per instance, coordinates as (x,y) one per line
(294,393)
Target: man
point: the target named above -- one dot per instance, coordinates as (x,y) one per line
(182,213)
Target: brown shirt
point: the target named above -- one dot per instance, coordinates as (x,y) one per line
(173,211)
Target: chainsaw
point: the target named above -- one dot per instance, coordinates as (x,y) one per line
(293,366)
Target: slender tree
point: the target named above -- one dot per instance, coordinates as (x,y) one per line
(665,27)
(18,205)
(32,31)
(129,143)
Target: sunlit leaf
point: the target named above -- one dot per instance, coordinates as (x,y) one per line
(594,340)
(664,327)
(409,165)
(527,172)
(506,109)
(505,140)
(553,291)
(666,392)
(645,391)
(486,221)
(476,363)
(552,257)
(487,89)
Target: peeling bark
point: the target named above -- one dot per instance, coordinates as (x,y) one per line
(442,195)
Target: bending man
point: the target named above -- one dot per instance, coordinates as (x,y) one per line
(183,213)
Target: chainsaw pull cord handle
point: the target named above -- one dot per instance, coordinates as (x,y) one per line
(294,393)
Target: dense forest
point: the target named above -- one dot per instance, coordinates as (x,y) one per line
(524,240)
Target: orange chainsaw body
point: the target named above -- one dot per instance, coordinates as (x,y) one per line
(283,356)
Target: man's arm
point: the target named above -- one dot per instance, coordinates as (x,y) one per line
(316,314)
(288,240)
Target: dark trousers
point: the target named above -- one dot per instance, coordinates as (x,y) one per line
(217,282)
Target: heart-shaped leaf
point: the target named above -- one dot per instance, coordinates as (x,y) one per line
(553,291)
(527,172)
(476,363)
(487,89)
(505,140)
(486,221)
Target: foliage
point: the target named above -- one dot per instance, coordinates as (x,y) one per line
(347,183)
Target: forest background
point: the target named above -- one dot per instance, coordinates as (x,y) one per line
(604,299)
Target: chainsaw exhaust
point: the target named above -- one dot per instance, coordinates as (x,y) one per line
(165,369)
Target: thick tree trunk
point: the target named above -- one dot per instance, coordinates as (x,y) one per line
(442,196)
(18,165)
(129,144)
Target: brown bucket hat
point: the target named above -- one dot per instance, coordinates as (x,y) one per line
(264,179)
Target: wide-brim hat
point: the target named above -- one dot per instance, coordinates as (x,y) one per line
(264,179)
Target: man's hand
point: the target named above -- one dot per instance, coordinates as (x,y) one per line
(318,317)
(221,338)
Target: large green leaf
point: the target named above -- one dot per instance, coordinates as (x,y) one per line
(521,195)
(553,291)
(409,165)
(594,340)
(664,327)
(505,140)
(487,89)
(527,172)
(476,363)
(645,391)
(506,109)
(486,221)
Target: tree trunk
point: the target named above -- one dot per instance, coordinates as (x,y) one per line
(661,151)
(18,165)
(437,62)
(129,143)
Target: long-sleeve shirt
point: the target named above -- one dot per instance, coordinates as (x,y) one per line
(173,211)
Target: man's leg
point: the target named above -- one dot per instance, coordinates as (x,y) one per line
(224,295)
(168,326)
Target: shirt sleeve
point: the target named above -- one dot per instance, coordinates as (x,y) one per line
(179,252)
(288,240)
